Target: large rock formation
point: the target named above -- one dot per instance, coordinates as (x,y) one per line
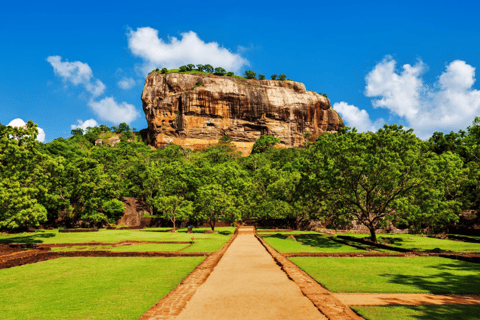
(195,110)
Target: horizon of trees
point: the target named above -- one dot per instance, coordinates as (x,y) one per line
(390,176)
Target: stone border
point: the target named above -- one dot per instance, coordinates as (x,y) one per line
(323,299)
(77,230)
(170,306)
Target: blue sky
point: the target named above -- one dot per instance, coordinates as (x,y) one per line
(404,62)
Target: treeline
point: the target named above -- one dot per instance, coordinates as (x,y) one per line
(375,178)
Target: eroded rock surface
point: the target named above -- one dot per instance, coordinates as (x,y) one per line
(196,110)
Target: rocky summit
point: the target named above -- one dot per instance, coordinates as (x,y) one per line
(196,110)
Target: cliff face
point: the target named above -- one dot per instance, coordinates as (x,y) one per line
(196,110)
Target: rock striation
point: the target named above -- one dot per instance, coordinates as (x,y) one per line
(195,110)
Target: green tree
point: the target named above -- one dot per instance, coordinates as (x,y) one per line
(385,176)
(164,70)
(282,77)
(273,76)
(263,143)
(249,74)
(190,67)
(173,207)
(200,67)
(183,69)
(261,77)
(208,68)
(230,74)
(220,71)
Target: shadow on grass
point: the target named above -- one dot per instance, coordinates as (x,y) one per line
(34,238)
(446,281)
(312,240)
(426,312)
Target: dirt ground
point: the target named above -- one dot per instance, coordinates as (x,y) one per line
(384,299)
(248,284)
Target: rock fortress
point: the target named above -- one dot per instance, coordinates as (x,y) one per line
(196,110)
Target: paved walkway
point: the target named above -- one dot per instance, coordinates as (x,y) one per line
(248,284)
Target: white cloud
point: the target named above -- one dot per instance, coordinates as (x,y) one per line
(84,125)
(156,53)
(354,117)
(77,73)
(108,109)
(450,104)
(126,83)
(20,123)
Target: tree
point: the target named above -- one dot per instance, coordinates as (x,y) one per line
(263,143)
(273,76)
(173,207)
(261,77)
(190,67)
(381,177)
(230,74)
(249,74)
(23,177)
(77,132)
(183,69)
(208,68)
(282,77)
(200,67)
(164,70)
(220,71)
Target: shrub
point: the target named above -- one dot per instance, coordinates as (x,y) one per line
(263,143)
(273,76)
(157,70)
(282,77)
(220,71)
(164,70)
(249,74)
(230,74)
(183,69)
(261,76)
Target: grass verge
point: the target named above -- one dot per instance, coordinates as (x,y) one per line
(393,274)
(90,288)
(312,243)
(430,312)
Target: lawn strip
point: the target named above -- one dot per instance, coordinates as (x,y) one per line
(307,243)
(393,274)
(416,299)
(431,312)
(320,297)
(90,288)
(172,304)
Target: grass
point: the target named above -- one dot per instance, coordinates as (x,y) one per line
(427,312)
(90,288)
(266,232)
(128,248)
(393,274)
(413,242)
(313,243)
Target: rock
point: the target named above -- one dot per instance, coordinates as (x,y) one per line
(194,111)
(112,141)
(134,209)
(98,142)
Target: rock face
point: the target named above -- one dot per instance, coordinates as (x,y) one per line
(194,110)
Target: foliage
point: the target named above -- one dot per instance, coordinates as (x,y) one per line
(249,74)
(190,67)
(273,76)
(230,73)
(164,70)
(261,77)
(282,77)
(183,69)
(200,67)
(208,68)
(219,71)
(263,143)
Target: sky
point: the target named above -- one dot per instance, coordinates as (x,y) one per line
(67,64)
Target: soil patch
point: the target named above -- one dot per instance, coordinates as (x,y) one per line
(388,299)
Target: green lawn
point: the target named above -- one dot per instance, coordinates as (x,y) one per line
(428,312)
(313,243)
(90,288)
(409,241)
(128,248)
(205,242)
(262,232)
(393,274)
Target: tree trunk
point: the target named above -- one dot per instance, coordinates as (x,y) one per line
(297,223)
(373,236)
(212,224)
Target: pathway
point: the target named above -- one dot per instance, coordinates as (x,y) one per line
(248,284)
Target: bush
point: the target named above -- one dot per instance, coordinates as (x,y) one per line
(282,77)
(183,69)
(220,71)
(273,76)
(249,74)
(157,70)
(230,74)
(164,70)
(261,76)
(263,143)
